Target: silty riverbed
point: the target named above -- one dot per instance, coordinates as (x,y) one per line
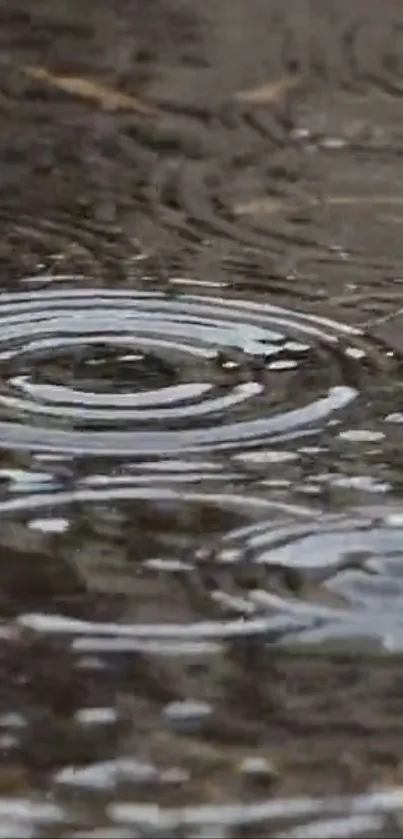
(201,419)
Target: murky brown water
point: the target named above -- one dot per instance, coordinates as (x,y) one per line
(201,419)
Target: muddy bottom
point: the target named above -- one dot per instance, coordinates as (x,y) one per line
(201,419)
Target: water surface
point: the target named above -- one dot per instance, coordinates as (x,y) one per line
(201,419)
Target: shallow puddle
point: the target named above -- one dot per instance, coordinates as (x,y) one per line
(201,424)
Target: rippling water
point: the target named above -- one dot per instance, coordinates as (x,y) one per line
(201,419)
(186,373)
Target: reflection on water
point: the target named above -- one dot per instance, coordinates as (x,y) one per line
(201,529)
(139,631)
(220,373)
(219,566)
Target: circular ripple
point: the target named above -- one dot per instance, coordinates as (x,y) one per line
(246,533)
(120,373)
(160,551)
(288,174)
(69,243)
(346,573)
(204,567)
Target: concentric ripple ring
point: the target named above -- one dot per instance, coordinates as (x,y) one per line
(358,558)
(247,511)
(185,335)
